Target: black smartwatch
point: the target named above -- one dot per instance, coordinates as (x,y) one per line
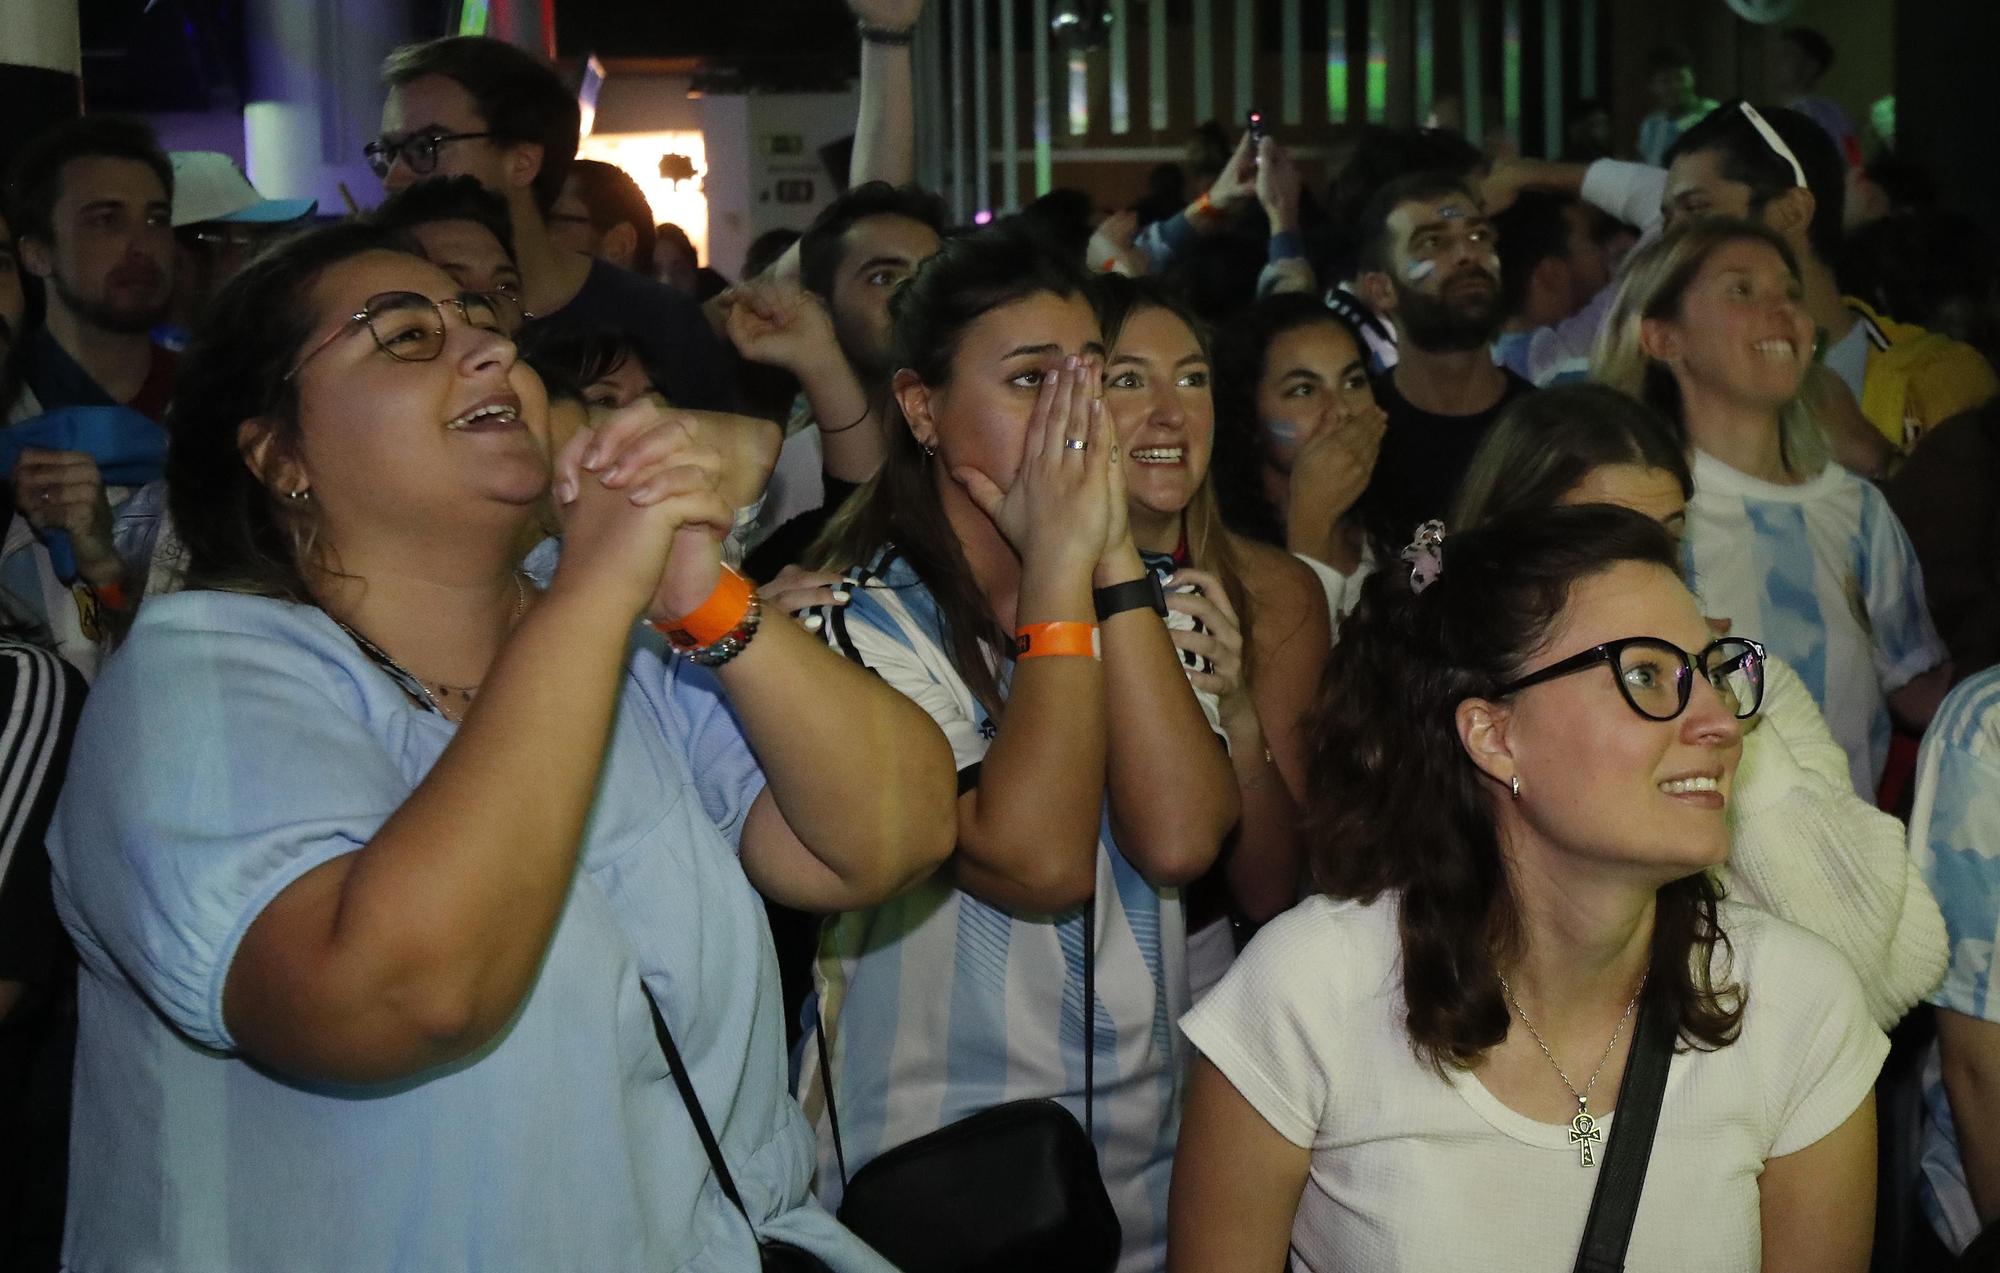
(1130,595)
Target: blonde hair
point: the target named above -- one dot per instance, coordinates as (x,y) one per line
(1656,281)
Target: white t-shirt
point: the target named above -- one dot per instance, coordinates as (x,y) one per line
(1414,1172)
(1824,575)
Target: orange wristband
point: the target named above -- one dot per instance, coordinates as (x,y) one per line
(110,595)
(1041,640)
(714,618)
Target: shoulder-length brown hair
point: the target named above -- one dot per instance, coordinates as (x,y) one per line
(1656,282)
(1396,805)
(241,536)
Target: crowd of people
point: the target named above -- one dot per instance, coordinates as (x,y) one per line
(1282,726)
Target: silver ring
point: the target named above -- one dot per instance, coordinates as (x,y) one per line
(1075,444)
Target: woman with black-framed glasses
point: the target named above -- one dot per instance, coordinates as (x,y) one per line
(1520,783)
(1803,845)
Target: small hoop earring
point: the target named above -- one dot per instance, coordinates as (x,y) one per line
(1514,785)
(302,494)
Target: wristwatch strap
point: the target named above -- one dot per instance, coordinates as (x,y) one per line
(1130,595)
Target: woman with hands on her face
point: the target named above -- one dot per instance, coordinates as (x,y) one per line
(1298,433)
(377,851)
(1249,623)
(995,582)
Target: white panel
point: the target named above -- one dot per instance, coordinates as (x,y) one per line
(1010,112)
(1121,56)
(1156,65)
(1426,57)
(1043,162)
(961,18)
(982,130)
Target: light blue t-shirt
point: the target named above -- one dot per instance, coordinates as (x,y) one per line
(237,742)
(1955,842)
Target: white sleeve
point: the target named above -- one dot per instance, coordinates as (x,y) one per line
(1820,1054)
(1342,590)
(1269,1025)
(1805,848)
(867,631)
(1631,192)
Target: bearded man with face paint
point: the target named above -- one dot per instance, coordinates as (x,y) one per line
(1430,263)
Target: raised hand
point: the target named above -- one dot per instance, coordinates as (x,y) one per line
(1278,185)
(641,513)
(62,490)
(1058,508)
(1238,179)
(1111,245)
(781,325)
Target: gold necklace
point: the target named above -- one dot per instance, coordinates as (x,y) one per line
(1583,1132)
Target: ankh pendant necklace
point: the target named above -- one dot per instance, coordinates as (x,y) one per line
(1583,1130)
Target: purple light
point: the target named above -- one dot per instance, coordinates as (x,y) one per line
(983,217)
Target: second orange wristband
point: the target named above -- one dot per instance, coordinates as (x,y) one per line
(1045,640)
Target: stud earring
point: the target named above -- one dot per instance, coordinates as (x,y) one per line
(301,495)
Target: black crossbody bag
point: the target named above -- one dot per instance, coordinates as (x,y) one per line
(1615,1204)
(1013,1187)
(773,1256)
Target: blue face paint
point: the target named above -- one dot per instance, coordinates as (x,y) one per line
(1418,271)
(1452,212)
(1281,432)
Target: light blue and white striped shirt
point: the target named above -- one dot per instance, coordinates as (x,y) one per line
(1824,575)
(1955,841)
(938,1005)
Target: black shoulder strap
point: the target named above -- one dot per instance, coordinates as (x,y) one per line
(1615,1205)
(693,1103)
(1089,1044)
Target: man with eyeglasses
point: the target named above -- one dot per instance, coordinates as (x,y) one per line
(478,107)
(220,221)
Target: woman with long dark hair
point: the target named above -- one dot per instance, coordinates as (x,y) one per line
(1297,431)
(1247,616)
(1803,845)
(995,582)
(380,858)
(1521,766)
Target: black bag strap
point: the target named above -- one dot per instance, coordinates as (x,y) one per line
(1089,1044)
(1615,1204)
(693,1103)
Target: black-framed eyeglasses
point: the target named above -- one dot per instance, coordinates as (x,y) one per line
(419,151)
(1657,677)
(409,326)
